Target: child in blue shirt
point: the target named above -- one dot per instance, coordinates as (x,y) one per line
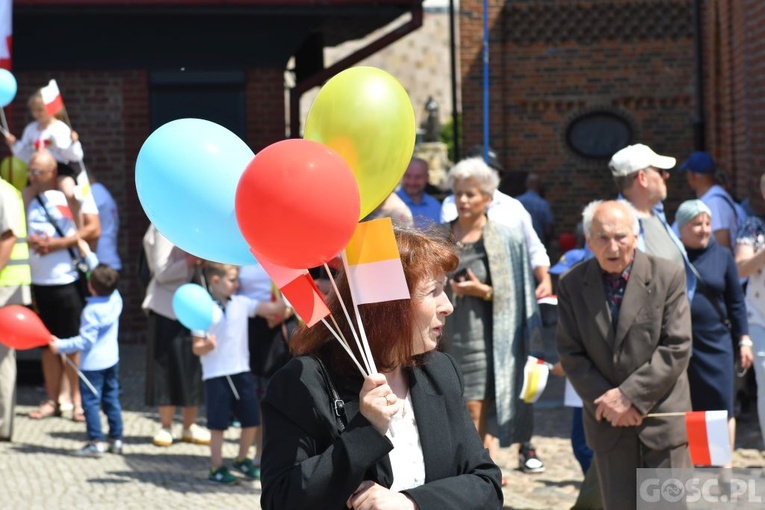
(97,341)
(229,384)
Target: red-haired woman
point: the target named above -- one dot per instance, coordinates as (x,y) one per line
(402,438)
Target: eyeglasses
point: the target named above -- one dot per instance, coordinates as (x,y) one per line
(664,173)
(37,171)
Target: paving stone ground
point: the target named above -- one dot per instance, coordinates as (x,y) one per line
(37,470)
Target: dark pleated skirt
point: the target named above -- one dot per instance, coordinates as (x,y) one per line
(173,371)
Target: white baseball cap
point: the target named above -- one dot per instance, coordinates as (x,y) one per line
(638,157)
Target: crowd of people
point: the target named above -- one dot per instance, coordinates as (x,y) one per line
(653,318)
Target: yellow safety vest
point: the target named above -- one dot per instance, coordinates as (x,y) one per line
(17,271)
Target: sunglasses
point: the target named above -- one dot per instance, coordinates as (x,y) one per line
(37,171)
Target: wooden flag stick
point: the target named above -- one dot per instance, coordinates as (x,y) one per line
(362,331)
(339,331)
(345,346)
(665,415)
(364,341)
(233,388)
(6,131)
(350,322)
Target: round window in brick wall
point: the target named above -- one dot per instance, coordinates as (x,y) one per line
(598,134)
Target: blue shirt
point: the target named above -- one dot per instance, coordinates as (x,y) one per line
(540,211)
(99,325)
(427,212)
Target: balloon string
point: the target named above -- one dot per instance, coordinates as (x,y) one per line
(350,322)
(80,374)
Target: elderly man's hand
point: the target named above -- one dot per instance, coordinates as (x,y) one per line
(632,418)
(612,405)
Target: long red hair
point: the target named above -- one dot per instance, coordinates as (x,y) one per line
(389,325)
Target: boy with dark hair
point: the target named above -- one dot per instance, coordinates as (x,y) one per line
(229,384)
(99,326)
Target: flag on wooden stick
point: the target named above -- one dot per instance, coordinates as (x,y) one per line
(535,375)
(6,33)
(708,437)
(299,289)
(51,96)
(373,264)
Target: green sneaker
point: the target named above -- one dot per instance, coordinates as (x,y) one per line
(222,475)
(247,468)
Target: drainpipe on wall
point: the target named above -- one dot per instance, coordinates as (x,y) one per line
(456,128)
(486,80)
(325,74)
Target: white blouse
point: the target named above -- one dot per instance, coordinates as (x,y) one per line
(406,457)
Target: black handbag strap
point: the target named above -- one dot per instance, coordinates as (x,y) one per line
(55,225)
(336,403)
(705,290)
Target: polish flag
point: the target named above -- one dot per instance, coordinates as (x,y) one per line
(535,375)
(708,438)
(52,98)
(299,289)
(6,31)
(65,211)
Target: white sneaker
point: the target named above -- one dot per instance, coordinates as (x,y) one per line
(196,434)
(164,437)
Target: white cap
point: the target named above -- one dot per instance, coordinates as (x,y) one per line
(638,157)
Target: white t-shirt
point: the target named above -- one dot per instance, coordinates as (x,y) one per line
(54,268)
(110,224)
(254,283)
(508,211)
(231,354)
(57,138)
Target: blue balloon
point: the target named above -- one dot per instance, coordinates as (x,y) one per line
(8,87)
(186,176)
(193,306)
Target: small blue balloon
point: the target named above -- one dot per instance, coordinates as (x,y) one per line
(186,176)
(8,87)
(193,306)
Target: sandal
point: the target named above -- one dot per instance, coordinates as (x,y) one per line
(47,409)
(78,414)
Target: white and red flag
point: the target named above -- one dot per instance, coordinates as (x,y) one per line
(52,98)
(6,33)
(299,289)
(708,438)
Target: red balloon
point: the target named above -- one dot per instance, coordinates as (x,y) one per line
(21,328)
(297,203)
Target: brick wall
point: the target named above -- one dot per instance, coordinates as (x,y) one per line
(110,110)
(553,60)
(265,102)
(734,83)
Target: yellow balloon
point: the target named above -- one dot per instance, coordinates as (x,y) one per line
(366,116)
(14,170)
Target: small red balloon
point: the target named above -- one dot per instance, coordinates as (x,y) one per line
(21,328)
(297,203)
